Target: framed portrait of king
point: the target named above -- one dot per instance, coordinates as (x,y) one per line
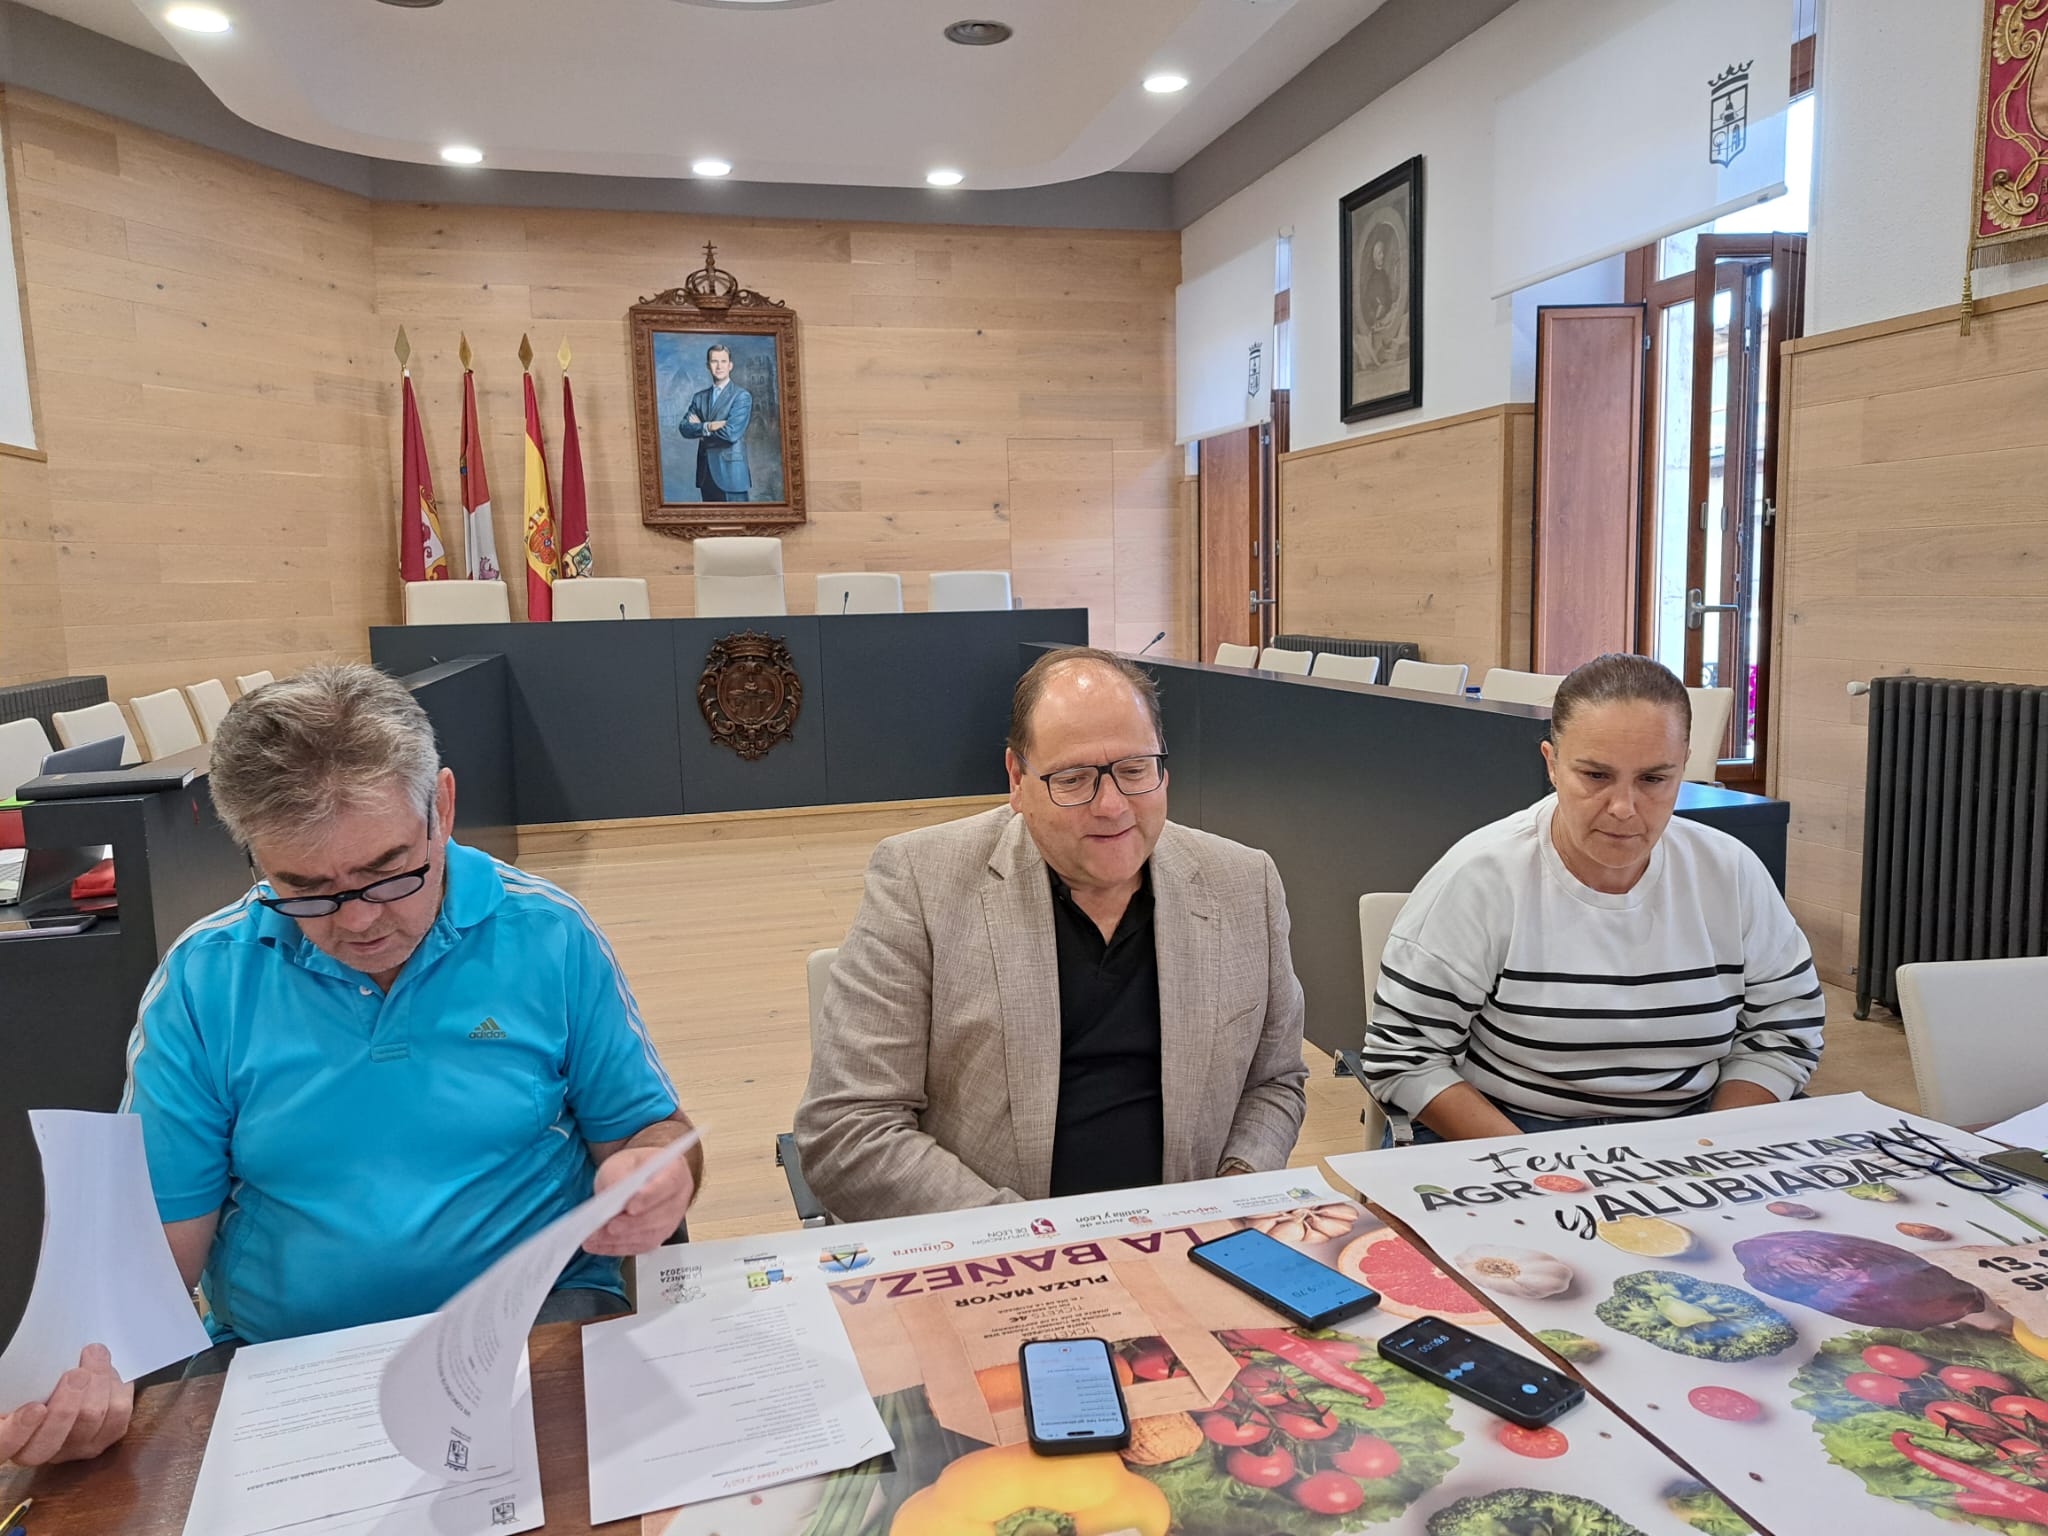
(1380,296)
(717,399)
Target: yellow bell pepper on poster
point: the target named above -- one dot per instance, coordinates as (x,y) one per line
(1011,1490)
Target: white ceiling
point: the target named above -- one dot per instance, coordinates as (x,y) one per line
(845,92)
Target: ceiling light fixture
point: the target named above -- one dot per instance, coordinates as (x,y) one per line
(711,167)
(196,18)
(944,178)
(462,154)
(979,34)
(412,5)
(1165,85)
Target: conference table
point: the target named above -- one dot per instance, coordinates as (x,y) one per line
(143,1486)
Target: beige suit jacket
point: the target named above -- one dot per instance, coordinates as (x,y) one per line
(935,1067)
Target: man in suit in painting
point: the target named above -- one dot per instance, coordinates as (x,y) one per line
(717,420)
(1066,994)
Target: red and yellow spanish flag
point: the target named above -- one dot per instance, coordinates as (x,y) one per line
(543,563)
(577,559)
(421,554)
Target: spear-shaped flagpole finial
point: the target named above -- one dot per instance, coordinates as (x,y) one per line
(525,353)
(463,352)
(403,348)
(562,356)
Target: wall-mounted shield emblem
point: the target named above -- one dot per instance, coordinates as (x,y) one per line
(750,693)
(1728,114)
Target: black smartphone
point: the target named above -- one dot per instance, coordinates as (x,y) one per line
(1520,1390)
(1072,1402)
(1284,1278)
(2020,1163)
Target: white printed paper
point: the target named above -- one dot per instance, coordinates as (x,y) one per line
(297,1446)
(105,1274)
(734,1388)
(2028,1129)
(447,1396)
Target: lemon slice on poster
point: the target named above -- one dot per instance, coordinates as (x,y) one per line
(1650,1237)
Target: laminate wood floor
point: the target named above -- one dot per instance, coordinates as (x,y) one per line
(713,920)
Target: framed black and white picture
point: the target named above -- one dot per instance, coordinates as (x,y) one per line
(1380,239)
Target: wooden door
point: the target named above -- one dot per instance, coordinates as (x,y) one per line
(1231,473)
(1589,440)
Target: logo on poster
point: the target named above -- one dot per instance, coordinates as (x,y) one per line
(1040,1227)
(505,1512)
(1728,114)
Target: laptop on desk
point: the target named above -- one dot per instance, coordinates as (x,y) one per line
(91,757)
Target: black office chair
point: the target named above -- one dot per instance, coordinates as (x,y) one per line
(810,1211)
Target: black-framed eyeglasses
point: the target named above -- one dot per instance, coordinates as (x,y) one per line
(1917,1150)
(377,893)
(1080,785)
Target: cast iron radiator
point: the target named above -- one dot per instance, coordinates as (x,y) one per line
(35,701)
(1388,651)
(1955,828)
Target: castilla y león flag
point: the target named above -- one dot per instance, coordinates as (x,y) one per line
(421,554)
(543,563)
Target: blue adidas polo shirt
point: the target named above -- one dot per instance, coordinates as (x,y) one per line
(371,1153)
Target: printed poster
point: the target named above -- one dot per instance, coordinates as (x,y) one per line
(1243,1425)
(1798,1299)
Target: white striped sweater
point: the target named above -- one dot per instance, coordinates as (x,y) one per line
(1506,972)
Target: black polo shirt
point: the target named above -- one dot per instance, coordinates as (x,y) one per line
(1111,1127)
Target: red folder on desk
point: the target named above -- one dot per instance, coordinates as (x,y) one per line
(95,886)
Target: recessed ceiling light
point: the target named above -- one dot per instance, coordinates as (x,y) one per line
(1165,85)
(462,154)
(711,167)
(412,5)
(944,178)
(978,34)
(196,18)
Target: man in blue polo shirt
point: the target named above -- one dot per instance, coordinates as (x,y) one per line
(385,1066)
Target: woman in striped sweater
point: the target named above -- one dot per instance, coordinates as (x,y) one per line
(1590,959)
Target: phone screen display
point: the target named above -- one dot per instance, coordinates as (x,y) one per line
(1291,1280)
(1070,1392)
(1513,1385)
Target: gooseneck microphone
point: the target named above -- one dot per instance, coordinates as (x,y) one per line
(1153,641)
(845,598)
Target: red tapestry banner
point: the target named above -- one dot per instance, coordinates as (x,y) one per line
(2010,214)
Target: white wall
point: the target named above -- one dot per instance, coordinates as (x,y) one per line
(1897,87)
(1444,112)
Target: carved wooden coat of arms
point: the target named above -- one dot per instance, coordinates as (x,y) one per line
(750,693)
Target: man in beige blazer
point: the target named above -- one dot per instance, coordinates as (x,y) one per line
(1063,995)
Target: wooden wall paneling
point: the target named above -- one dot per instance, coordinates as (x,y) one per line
(1911,541)
(1589,438)
(1063,528)
(1520,443)
(1410,535)
(215,341)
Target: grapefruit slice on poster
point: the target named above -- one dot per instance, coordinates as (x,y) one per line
(1409,1282)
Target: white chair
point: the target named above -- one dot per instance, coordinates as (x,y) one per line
(1508,687)
(1973,1031)
(1346,669)
(23,746)
(1377,912)
(1428,676)
(1228,655)
(739,578)
(845,592)
(254,680)
(209,701)
(969,591)
(589,598)
(457,602)
(166,724)
(1711,708)
(1274,659)
(95,722)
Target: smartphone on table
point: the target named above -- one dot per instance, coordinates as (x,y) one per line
(1284,1278)
(1072,1400)
(1520,1390)
(2021,1163)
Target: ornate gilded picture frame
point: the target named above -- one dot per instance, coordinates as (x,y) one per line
(718,408)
